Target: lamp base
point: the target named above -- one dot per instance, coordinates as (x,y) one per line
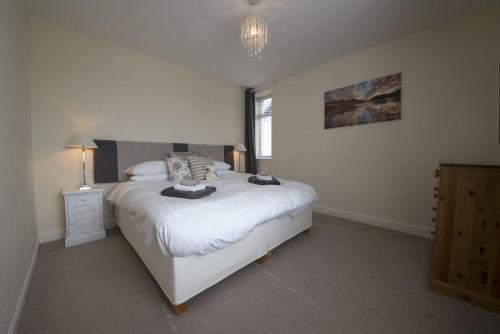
(240,169)
(85,187)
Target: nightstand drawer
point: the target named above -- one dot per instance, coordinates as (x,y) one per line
(75,201)
(84,220)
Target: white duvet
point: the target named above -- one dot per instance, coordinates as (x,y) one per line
(185,227)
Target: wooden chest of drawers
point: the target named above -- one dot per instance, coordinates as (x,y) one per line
(466,255)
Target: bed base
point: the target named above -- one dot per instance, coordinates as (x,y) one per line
(182,278)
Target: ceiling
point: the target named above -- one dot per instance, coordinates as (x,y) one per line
(204,34)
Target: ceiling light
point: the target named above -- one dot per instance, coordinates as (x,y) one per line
(254,34)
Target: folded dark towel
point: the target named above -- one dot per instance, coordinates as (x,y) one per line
(171,192)
(255,180)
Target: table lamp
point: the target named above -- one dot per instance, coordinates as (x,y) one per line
(82,141)
(240,148)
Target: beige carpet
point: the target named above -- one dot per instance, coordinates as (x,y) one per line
(343,277)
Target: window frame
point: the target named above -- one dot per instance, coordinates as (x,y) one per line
(262,96)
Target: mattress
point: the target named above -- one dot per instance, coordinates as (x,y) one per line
(197,227)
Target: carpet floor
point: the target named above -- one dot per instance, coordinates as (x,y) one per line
(342,277)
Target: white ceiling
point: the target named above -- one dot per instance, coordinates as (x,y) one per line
(204,34)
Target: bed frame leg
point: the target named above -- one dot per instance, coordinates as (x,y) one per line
(264,258)
(307,231)
(177,309)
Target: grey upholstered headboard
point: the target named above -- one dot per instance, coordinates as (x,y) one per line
(112,157)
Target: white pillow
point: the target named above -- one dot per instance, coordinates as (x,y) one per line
(151,177)
(223,172)
(147,168)
(219,165)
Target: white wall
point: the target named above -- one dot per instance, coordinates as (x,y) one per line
(450,109)
(17,218)
(83,84)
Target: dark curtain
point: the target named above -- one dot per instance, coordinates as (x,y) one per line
(250,158)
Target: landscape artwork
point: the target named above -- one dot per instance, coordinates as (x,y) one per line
(371,101)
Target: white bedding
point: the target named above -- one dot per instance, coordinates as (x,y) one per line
(186,227)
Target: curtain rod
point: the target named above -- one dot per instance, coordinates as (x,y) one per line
(262,87)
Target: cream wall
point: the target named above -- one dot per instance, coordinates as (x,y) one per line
(450,109)
(83,84)
(18,233)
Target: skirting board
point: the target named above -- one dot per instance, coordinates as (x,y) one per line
(60,234)
(357,217)
(375,221)
(21,300)
(109,224)
(51,236)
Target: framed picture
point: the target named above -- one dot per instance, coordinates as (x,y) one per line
(371,101)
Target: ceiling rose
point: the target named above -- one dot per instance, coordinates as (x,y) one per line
(254,33)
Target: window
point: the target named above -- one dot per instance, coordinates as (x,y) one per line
(263,126)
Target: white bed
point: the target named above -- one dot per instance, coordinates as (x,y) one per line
(190,245)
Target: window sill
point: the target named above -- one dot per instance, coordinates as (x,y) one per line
(264,158)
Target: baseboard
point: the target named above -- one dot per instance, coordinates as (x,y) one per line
(109,224)
(375,221)
(60,234)
(21,300)
(51,236)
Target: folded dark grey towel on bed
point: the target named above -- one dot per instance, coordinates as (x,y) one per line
(255,180)
(171,192)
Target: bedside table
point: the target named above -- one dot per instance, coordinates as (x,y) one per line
(83,216)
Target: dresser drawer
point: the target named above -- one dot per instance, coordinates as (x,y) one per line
(75,201)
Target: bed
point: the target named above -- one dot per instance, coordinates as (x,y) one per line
(190,245)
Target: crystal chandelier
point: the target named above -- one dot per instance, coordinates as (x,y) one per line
(254,35)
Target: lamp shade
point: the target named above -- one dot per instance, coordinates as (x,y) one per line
(82,140)
(240,148)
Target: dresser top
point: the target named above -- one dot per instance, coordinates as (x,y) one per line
(77,191)
(469,164)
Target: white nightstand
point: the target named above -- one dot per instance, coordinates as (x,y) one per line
(83,216)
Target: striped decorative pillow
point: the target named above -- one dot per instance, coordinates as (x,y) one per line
(198,166)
